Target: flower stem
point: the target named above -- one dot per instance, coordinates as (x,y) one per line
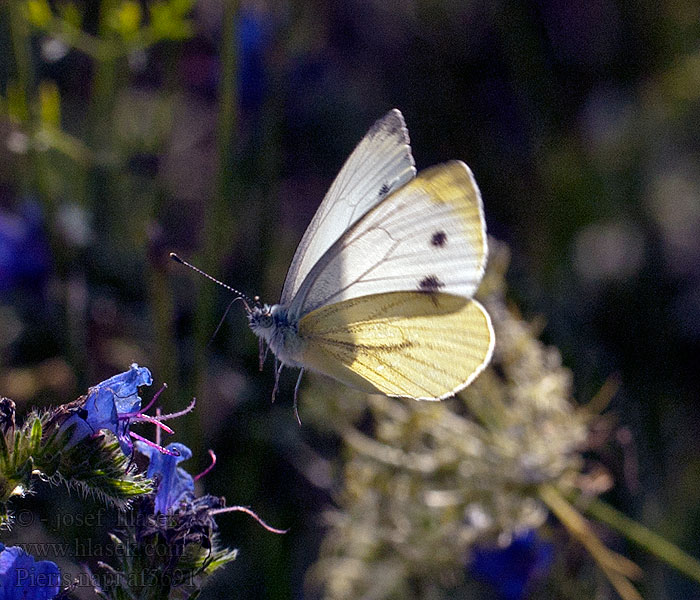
(218,219)
(617,568)
(645,538)
(34,171)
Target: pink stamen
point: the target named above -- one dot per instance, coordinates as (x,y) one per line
(155,397)
(158,429)
(160,449)
(175,415)
(143,410)
(209,468)
(244,509)
(154,420)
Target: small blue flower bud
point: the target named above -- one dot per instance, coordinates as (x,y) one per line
(174,483)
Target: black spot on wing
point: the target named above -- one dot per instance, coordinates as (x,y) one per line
(439,239)
(430,283)
(384,190)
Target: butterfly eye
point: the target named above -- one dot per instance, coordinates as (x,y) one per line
(266,321)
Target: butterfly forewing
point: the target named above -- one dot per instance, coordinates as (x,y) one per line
(381,163)
(428,236)
(408,344)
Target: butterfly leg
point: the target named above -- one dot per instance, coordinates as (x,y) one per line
(228,308)
(278,371)
(262,353)
(296,397)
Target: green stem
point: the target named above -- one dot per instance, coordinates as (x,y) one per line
(162,311)
(227,101)
(217,227)
(616,567)
(160,295)
(34,182)
(645,538)
(21,51)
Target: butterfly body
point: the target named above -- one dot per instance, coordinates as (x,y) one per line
(272,324)
(380,291)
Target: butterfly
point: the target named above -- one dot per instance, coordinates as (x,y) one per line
(379,294)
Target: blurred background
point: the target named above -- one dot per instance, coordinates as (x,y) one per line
(213,128)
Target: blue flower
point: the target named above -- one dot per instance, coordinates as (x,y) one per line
(25,256)
(23,578)
(510,570)
(111,405)
(124,388)
(254,39)
(174,483)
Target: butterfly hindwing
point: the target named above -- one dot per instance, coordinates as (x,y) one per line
(428,236)
(426,345)
(381,163)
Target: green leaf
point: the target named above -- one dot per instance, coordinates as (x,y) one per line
(4,450)
(49,104)
(38,12)
(181,7)
(220,559)
(168,24)
(71,14)
(35,435)
(96,465)
(126,19)
(16,102)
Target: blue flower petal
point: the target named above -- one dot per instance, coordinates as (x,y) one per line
(101,409)
(106,402)
(22,578)
(174,482)
(125,388)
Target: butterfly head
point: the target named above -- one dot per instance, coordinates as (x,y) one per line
(261,319)
(265,319)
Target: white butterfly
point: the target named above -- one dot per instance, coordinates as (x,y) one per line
(379,292)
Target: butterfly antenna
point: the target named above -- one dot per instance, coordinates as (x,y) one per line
(245,299)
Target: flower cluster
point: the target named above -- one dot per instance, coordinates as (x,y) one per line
(174,544)
(87,444)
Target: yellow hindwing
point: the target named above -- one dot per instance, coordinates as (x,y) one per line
(419,345)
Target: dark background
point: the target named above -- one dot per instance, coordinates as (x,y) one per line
(218,141)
